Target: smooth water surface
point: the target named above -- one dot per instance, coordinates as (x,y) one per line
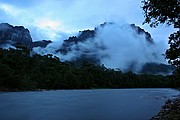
(105,104)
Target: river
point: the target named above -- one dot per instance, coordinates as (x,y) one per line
(101,104)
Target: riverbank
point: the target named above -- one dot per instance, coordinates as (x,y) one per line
(3,89)
(170,111)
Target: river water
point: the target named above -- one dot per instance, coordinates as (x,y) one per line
(105,104)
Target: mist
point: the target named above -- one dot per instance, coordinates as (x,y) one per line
(126,49)
(115,45)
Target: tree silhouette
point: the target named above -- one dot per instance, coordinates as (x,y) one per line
(165,12)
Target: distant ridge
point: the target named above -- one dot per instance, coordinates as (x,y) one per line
(18,35)
(14,35)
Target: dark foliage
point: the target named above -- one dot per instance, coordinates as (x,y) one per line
(161,11)
(173,53)
(165,12)
(21,72)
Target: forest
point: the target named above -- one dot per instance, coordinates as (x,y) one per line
(21,71)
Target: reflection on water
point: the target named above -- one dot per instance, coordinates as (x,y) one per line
(105,104)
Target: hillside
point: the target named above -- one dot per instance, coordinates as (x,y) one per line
(93,46)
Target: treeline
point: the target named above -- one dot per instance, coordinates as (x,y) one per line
(21,71)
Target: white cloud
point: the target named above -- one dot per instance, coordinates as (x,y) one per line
(9,9)
(48,24)
(51,17)
(34,19)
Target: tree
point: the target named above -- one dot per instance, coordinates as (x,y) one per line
(173,53)
(165,12)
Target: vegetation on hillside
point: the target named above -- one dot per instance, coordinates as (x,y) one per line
(21,71)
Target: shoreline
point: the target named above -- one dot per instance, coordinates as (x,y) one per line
(20,90)
(41,90)
(34,90)
(170,110)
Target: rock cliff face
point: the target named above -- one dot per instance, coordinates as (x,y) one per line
(14,34)
(18,35)
(90,34)
(142,31)
(42,43)
(68,43)
(91,55)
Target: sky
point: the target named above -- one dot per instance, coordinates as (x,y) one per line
(57,19)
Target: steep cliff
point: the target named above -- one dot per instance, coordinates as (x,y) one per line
(14,34)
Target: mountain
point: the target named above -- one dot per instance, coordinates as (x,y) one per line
(18,34)
(42,43)
(83,36)
(155,68)
(14,35)
(90,34)
(141,31)
(89,54)
(84,45)
(75,44)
